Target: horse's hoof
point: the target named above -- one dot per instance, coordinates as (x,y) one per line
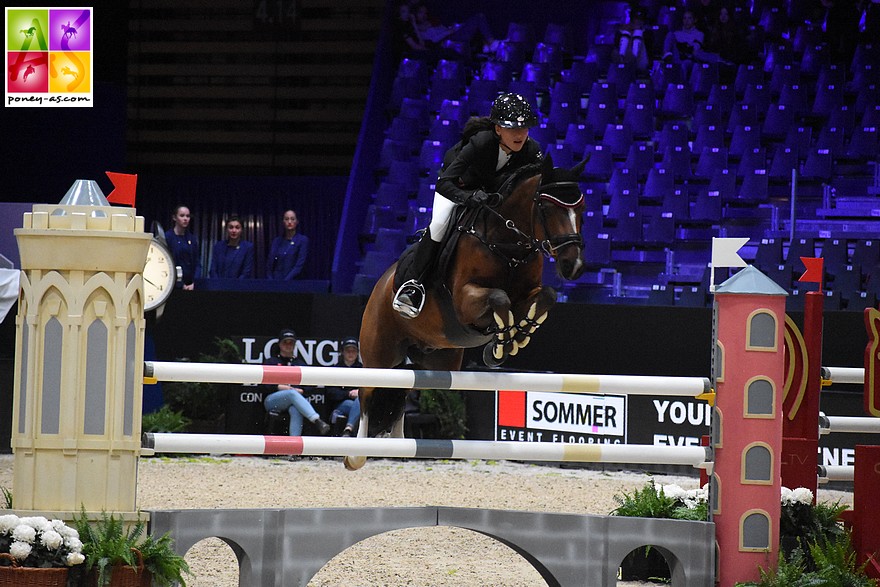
(489,356)
(354,463)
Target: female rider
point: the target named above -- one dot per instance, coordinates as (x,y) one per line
(490,150)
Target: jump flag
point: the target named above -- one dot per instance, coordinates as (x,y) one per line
(124,187)
(814,272)
(725,254)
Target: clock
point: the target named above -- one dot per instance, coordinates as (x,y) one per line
(160,275)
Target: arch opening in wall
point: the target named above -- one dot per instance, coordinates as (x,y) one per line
(755,533)
(718,362)
(646,563)
(760,399)
(761,334)
(715,494)
(757,464)
(212,561)
(468,556)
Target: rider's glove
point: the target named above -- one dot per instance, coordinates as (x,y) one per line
(481,198)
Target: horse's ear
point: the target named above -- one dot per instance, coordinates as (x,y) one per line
(547,165)
(579,168)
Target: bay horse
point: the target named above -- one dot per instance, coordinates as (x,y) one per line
(487,289)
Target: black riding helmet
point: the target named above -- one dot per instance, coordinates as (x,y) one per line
(512,111)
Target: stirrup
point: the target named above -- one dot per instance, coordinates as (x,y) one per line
(412,307)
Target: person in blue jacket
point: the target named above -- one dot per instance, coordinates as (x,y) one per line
(347,401)
(184,246)
(233,257)
(287,255)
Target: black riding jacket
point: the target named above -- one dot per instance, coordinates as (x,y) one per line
(472,167)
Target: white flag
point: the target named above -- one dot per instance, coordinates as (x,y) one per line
(724,252)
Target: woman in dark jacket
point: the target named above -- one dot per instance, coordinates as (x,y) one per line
(474,169)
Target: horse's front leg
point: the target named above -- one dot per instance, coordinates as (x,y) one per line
(532,312)
(479,303)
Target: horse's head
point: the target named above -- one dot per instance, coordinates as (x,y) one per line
(560,209)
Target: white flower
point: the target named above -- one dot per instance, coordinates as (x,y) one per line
(8,522)
(802,495)
(38,523)
(20,550)
(51,539)
(673,491)
(786,496)
(73,544)
(24,533)
(75,558)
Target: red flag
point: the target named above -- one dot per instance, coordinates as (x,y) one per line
(814,272)
(124,187)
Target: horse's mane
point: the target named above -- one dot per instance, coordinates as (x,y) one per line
(521,174)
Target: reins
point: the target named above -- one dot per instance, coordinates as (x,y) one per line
(527,245)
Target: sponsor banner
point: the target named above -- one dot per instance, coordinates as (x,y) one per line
(531,416)
(49,57)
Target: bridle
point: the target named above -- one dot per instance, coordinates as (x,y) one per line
(527,246)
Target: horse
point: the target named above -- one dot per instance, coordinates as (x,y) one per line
(487,289)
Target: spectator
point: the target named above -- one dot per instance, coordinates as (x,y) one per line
(686,44)
(287,397)
(233,258)
(346,398)
(490,150)
(727,38)
(184,246)
(705,13)
(432,32)
(406,39)
(631,42)
(287,255)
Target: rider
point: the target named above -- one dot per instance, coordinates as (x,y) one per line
(490,150)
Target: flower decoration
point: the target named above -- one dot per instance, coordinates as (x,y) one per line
(38,542)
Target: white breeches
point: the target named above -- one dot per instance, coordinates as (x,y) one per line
(440,217)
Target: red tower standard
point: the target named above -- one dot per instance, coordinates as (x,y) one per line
(748,366)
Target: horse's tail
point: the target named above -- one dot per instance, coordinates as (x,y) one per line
(386,408)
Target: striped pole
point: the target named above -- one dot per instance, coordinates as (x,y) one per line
(404,379)
(322,446)
(850,424)
(844,374)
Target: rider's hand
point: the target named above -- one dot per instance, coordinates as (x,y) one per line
(481,198)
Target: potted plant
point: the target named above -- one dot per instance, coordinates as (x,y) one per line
(117,556)
(652,501)
(37,551)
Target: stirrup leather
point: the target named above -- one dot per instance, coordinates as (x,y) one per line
(406,309)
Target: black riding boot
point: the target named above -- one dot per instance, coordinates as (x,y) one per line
(409,299)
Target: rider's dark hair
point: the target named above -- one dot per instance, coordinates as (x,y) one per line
(474,125)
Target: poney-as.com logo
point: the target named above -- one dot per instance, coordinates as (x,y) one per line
(49,57)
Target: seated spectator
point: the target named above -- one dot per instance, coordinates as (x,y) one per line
(287,255)
(705,13)
(728,39)
(348,404)
(287,397)
(406,41)
(431,31)
(232,258)
(631,46)
(686,44)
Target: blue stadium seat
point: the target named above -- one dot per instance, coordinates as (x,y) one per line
(659,183)
(551,55)
(754,188)
(621,75)
(495,71)
(455,110)
(562,154)
(483,90)
(390,240)
(843,117)
(538,73)
(818,165)
(769,253)
(640,118)
(677,202)
(784,74)
(832,138)
(703,77)
(742,115)
(835,252)
(660,230)
(545,133)
(641,92)
(431,157)
(800,247)
(578,136)
(601,163)
(597,250)
(864,143)
(758,96)
(777,122)
(708,135)
(582,73)
(706,113)
(750,161)
(618,138)
(800,138)
(628,229)
(447,132)
(601,114)
(392,195)
(678,161)
(866,253)
(723,97)
(785,159)
(678,102)
(405,173)
(829,97)
(674,134)
(796,98)
(745,139)
(663,74)
(747,74)
(562,113)
(640,158)
(393,151)
(711,158)
(623,181)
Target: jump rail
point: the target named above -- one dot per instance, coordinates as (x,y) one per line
(854,375)
(836,473)
(319,446)
(404,379)
(852,424)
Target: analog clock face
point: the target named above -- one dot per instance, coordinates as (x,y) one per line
(159,276)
